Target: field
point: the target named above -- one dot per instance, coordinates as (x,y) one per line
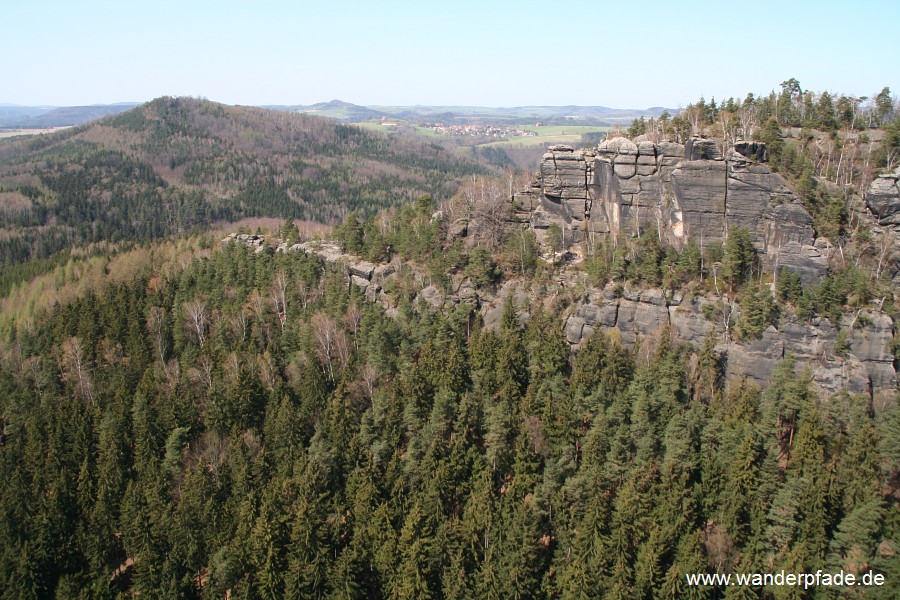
(5,133)
(394,124)
(550,134)
(546,134)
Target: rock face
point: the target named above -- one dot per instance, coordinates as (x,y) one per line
(883,198)
(564,184)
(867,366)
(684,192)
(883,202)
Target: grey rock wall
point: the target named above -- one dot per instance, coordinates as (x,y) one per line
(867,366)
(883,198)
(883,204)
(684,192)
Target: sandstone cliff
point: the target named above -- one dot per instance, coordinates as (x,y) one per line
(865,365)
(684,192)
(883,206)
(681,192)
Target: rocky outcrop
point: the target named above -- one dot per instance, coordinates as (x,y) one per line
(257,242)
(883,198)
(882,206)
(565,177)
(699,189)
(684,192)
(867,365)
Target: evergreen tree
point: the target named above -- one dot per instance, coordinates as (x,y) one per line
(739,257)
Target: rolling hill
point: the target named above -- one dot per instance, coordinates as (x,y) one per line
(177,164)
(37,117)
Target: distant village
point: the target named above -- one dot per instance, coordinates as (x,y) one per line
(479,130)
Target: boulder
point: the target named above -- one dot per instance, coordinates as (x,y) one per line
(702,149)
(327,252)
(752,150)
(782,222)
(758,359)
(432,296)
(458,229)
(640,319)
(883,198)
(573,329)
(625,170)
(564,175)
(689,323)
(647,148)
(617,145)
(382,271)
(604,314)
(806,261)
(360,268)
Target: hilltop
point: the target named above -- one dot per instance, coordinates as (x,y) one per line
(175,164)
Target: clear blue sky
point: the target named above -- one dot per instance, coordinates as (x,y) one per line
(489,52)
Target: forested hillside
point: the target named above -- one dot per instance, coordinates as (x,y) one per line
(241,422)
(177,164)
(469,397)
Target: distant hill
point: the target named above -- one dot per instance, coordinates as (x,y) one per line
(177,164)
(342,111)
(39,117)
(550,115)
(13,113)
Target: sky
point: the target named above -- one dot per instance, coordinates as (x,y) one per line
(486,53)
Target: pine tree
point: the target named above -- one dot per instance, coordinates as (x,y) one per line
(739,257)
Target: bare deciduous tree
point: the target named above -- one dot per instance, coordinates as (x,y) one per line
(369,376)
(240,322)
(693,115)
(747,115)
(303,293)
(203,371)
(156,324)
(278,295)
(268,370)
(198,318)
(76,368)
(490,212)
(331,344)
(352,322)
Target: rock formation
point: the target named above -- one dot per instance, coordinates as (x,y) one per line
(684,192)
(865,366)
(883,204)
(883,198)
